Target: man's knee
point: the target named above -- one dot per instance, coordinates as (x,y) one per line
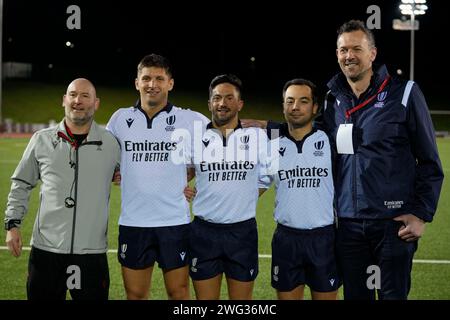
(136,295)
(180,292)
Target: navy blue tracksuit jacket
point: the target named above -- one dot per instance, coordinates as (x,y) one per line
(395,168)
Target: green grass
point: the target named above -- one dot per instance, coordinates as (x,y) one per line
(429,281)
(30,102)
(441,122)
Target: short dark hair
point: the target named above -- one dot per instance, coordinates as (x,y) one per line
(357,25)
(155,60)
(226,78)
(302,82)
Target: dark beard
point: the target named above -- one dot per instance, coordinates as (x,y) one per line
(356,78)
(298,125)
(220,122)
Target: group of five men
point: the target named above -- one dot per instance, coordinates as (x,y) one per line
(370,156)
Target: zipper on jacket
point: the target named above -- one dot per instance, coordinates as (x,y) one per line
(354,184)
(75,196)
(97,143)
(355,202)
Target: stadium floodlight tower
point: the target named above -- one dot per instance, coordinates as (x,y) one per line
(412,8)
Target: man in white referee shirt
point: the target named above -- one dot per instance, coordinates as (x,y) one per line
(154,219)
(303,245)
(229,161)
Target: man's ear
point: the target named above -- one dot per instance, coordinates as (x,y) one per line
(209,105)
(97,104)
(373,54)
(315,108)
(171,84)
(241,105)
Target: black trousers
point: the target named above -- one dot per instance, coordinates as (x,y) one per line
(364,245)
(50,275)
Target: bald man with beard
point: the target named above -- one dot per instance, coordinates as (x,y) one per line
(75,162)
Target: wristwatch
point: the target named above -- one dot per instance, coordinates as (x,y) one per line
(13,223)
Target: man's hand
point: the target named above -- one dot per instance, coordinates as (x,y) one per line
(189,193)
(412,229)
(117,177)
(247,123)
(14,241)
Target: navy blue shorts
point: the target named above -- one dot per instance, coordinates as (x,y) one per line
(139,248)
(304,257)
(224,248)
(364,243)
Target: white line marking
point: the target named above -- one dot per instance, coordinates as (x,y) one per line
(431,261)
(268,256)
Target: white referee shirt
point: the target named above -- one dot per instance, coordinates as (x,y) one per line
(152,183)
(227,173)
(302,173)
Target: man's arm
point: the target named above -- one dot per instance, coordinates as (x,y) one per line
(265,177)
(248,123)
(117,177)
(190,192)
(24,179)
(429,175)
(273,128)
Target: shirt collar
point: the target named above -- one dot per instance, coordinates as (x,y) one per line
(211,126)
(168,108)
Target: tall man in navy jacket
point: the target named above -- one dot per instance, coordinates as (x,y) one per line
(388,172)
(388,175)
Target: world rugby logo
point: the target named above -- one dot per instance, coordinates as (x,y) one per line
(193,264)
(245,140)
(319,146)
(380,97)
(170,123)
(275,273)
(123,249)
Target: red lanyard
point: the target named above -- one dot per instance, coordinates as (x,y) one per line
(348,113)
(69,138)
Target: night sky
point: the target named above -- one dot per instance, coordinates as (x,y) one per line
(287,40)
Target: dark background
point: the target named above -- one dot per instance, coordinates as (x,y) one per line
(203,39)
